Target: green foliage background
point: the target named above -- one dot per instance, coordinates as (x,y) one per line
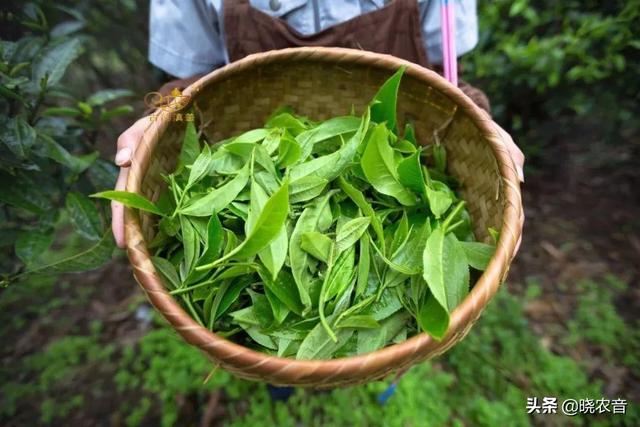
(547,66)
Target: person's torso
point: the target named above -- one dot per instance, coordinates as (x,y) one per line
(313,16)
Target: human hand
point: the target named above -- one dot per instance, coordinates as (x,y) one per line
(127,143)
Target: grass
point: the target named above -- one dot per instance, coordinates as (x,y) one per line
(483,381)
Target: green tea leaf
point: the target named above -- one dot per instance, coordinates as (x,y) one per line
(245,317)
(350,232)
(132,200)
(287,121)
(18,136)
(248,151)
(190,146)
(261,308)
(104,96)
(340,275)
(358,198)
(400,233)
(332,165)
(77,164)
(433,318)
(251,137)
(200,167)
(445,269)
(364,264)
(377,165)
(317,245)
(191,246)
(261,338)
(167,271)
(215,238)
(319,345)
(273,255)
(267,227)
(410,173)
(383,106)
(53,63)
(440,157)
(31,244)
(84,215)
(374,339)
(307,221)
(279,310)
(439,202)
(328,129)
(88,259)
(284,288)
(289,151)
(225,297)
(409,255)
(307,188)
(358,321)
(410,134)
(337,279)
(218,199)
(478,254)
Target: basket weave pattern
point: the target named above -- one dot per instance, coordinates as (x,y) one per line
(322,83)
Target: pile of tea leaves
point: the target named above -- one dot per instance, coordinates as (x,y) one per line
(315,240)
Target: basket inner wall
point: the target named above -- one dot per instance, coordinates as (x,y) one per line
(320,90)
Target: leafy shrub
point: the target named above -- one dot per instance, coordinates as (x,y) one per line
(548,60)
(48,155)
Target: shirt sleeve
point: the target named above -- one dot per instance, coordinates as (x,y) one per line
(466,22)
(185,37)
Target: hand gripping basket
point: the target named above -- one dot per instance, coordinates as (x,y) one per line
(322,83)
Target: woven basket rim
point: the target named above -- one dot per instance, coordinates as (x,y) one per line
(485,287)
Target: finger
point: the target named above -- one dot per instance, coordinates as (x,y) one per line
(518,158)
(516,154)
(128,142)
(117,210)
(123,157)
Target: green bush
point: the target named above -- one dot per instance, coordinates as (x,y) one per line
(48,148)
(548,60)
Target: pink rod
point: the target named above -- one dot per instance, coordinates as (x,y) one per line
(449,57)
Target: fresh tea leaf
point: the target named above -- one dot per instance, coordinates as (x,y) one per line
(383,106)
(478,254)
(433,318)
(317,245)
(378,166)
(190,146)
(445,269)
(267,227)
(350,232)
(319,345)
(132,200)
(219,198)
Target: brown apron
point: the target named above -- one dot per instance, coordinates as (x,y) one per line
(394,29)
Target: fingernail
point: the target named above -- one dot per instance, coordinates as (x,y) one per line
(123,156)
(520,173)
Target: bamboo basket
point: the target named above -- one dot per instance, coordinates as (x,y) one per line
(322,83)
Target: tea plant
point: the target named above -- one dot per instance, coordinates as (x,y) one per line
(48,156)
